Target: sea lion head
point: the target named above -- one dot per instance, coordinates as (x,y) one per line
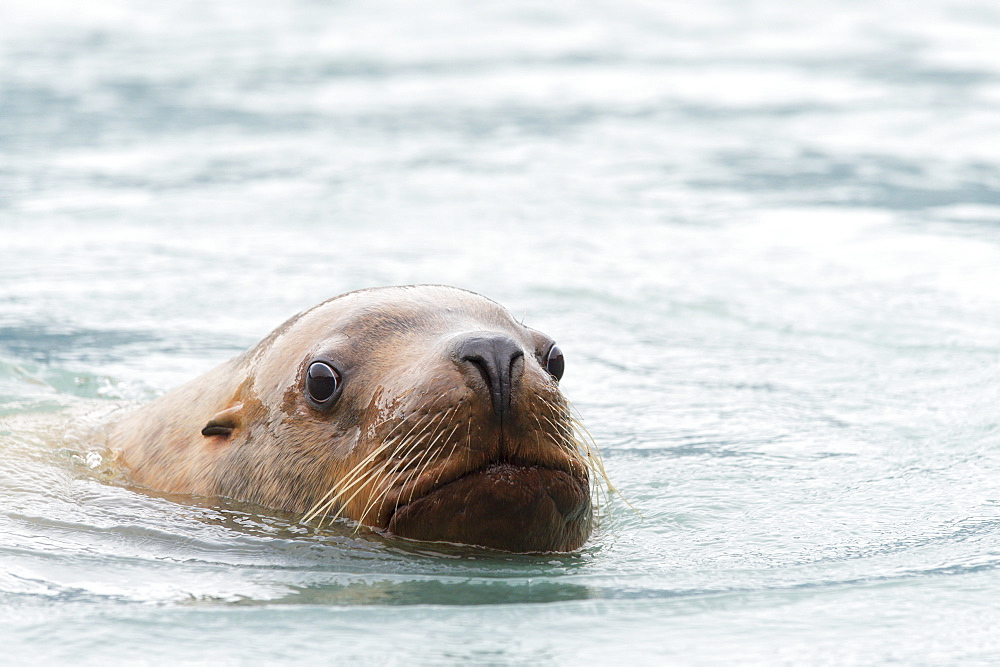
(424,412)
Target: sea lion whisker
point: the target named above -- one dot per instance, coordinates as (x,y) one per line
(381,488)
(375,474)
(342,485)
(425,426)
(418,423)
(593,464)
(418,441)
(468,440)
(454,445)
(579,440)
(362,479)
(401,484)
(573,410)
(409,457)
(595,453)
(421,465)
(427,450)
(384,485)
(415,443)
(564,433)
(329,499)
(446,439)
(379,491)
(372,479)
(322,505)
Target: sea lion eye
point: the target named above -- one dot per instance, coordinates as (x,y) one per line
(321,381)
(555,364)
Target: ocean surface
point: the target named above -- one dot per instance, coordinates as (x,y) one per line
(765,234)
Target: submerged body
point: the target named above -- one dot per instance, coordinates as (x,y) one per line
(425,412)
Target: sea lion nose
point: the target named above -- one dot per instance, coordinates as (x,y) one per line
(494,355)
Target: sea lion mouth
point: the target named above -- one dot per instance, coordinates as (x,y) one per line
(503,505)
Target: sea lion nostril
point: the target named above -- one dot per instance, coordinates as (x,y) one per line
(485,370)
(494,356)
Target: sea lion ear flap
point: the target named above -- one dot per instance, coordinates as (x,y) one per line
(224,422)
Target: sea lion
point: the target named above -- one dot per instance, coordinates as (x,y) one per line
(424,412)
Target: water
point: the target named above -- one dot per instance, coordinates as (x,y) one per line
(767,237)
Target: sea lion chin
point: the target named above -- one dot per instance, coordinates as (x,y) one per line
(424,412)
(503,506)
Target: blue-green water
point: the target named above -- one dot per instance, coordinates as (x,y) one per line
(766,235)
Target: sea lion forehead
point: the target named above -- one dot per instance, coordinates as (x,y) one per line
(419,299)
(396,310)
